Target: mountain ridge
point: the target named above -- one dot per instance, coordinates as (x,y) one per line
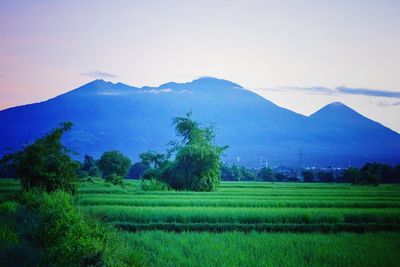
(134,119)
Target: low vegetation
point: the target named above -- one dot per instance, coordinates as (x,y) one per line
(64,213)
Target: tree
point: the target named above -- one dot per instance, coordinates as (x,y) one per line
(196,165)
(281,177)
(227,173)
(45,164)
(308,176)
(236,173)
(397,171)
(352,175)
(266,174)
(371,173)
(114,162)
(137,170)
(89,167)
(325,177)
(388,174)
(152,159)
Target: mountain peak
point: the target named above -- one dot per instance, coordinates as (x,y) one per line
(337,104)
(338,112)
(98,82)
(216,82)
(203,83)
(335,107)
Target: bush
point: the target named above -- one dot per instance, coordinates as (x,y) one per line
(115,179)
(153,185)
(8,236)
(8,207)
(52,231)
(68,238)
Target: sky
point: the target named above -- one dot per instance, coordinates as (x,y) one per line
(301,55)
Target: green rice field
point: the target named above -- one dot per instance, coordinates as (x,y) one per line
(250,223)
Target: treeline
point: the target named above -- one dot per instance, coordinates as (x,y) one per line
(370,173)
(373,173)
(191,163)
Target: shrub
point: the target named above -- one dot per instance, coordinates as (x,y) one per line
(153,185)
(8,207)
(8,236)
(115,179)
(68,238)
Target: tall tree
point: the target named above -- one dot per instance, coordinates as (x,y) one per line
(114,162)
(45,164)
(196,165)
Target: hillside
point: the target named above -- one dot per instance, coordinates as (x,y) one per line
(130,119)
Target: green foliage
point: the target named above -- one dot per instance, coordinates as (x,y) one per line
(373,173)
(63,231)
(237,173)
(137,170)
(89,167)
(45,164)
(153,185)
(247,206)
(114,162)
(242,211)
(8,236)
(8,207)
(169,249)
(115,179)
(196,166)
(266,174)
(153,160)
(52,231)
(352,175)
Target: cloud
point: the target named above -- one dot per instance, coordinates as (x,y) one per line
(321,90)
(368,92)
(388,104)
(99,74)
(156,91)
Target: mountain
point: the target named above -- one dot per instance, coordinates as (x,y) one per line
(110,116)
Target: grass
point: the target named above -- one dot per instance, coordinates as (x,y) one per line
(265,249)
(249,223)
(248,206)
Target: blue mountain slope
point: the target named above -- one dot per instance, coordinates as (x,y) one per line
(130,119)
